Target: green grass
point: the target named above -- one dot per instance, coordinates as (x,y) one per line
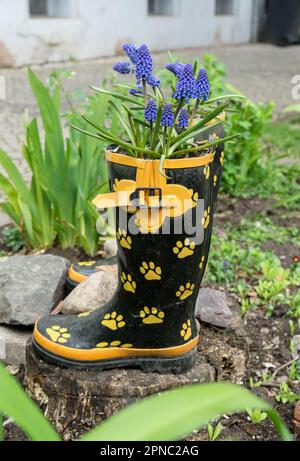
(238,261)
(284,137)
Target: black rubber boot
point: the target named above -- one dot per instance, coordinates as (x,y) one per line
(150,321)
(81,271)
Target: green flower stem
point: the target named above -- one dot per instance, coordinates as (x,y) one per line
(179,107)
(194,111)
(145,92)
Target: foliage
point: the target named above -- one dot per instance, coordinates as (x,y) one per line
(153,126)
(12,238)
(286,395)
(237,259)
(214,432)
(257,416)
(254,164)
(66,174)
(181,411)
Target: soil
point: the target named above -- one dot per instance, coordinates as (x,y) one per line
(268,338)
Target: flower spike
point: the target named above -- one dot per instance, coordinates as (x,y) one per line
(151,111)
(185,88)
(123,67)
(183,119)
(167,118)
(202,86)
(131,50)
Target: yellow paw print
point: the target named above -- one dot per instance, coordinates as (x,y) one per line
(201,265)
(150,271)
(194,196)
(185,291)
(114,344)
(206,218)
(84,314)
(87,263)
(151,316)
(128,283)
(58,334)
(184,249)
(115,186)
(222,158)
(124,239)
(215,180)
(113,321)
(186,331)
(206,172)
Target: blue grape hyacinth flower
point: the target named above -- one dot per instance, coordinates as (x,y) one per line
(151,111)
(131,50)
(167,118)
(176,68)
(202,86)
(183,119)
(123,67)
(144,67)
(136,91)
(185,88)
(153,81)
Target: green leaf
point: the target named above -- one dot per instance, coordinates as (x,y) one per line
(195,128)
(157,129)
(119,96)
(292,108)
(174,414)
(206,145)
(120,142)
(15,403)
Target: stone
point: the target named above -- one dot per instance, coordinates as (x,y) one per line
(97,290)
(13,345)
(77,400)
(212,308)
(110,248)
(30,286)
(4,220)
(6,59)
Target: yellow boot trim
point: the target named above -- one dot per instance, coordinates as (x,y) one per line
(171,163)
(76,276)
(111,352)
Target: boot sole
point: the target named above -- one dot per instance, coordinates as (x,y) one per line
(162,365)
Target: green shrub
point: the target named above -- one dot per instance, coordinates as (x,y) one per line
(66,174)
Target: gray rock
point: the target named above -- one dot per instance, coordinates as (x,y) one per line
(4,220)
(97,290)
(110,248)
(30,286)
(212,307)
(13,345)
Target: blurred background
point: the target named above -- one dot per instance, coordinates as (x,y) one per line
(39,31)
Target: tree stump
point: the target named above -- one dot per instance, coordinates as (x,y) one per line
(75,401)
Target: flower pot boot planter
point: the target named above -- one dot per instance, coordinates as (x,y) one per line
(150,321)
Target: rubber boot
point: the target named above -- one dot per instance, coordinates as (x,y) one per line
(150,321)
(81,271)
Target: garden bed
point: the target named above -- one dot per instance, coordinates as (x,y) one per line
(268,336)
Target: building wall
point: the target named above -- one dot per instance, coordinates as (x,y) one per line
(97,28)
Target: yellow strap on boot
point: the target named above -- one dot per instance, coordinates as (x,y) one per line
(171,200)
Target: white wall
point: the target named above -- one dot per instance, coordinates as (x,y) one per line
(99,28)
